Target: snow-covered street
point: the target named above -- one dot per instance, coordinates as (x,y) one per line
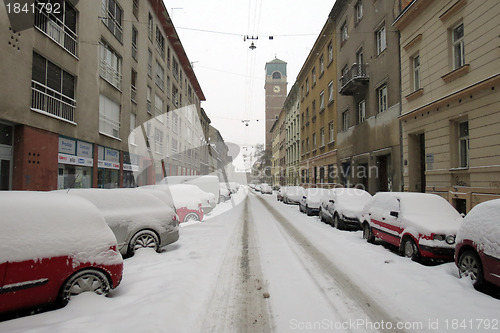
(258,265)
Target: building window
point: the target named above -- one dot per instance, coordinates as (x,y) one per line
(159,76)
(158,106)
(276,76)
(322,136)
(134,43)
(175,69)
(458,46)
(314,142)
(359,10)
(330,92)
(343,32)
(52,89)
(133,86)
(61,27)
(113,17)
(133,132)
(415,62)
(381,40)
(331,131)
(160,42)
(361,111)
(158,141)
(110,65)
(313,75)
(307,86)
(330,52)
(322,100)
(345,120)
(150,62)
(109,117)
(307,145)
(463,144)
(150,27)
(321,65)
(135,8)
(331,174)
(149,91)
(382,98)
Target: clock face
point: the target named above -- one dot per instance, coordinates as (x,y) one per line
(276,89)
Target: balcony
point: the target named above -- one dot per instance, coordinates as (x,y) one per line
(57,31)
(354,80)
(51,102)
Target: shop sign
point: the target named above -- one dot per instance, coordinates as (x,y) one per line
(111,155)
(108,165)
(84,149)
(75,160)
(130,167)
(67,146)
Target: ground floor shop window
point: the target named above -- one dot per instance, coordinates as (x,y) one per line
(73,176)
(108,178)
(128,179)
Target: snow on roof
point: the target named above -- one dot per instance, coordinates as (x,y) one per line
(482,226)
(37,225)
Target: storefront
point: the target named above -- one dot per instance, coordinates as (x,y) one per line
(74,164)
(108,167)
(6,135)
(130,166)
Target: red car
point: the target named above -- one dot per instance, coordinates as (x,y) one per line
(477,254)
(58,248)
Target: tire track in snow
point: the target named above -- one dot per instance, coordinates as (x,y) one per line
(238,304)
(372,309)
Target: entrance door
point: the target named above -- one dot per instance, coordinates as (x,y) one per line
(383,175)
(6,134)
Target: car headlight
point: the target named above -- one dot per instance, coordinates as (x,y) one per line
(450,239)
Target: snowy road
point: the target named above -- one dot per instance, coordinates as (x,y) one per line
(257,265)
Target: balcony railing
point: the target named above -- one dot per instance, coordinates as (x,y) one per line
(110,74)
(57,31)
(46,100)
(355,78)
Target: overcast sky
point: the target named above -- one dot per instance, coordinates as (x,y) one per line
(230,74)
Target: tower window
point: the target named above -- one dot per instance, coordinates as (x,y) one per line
(276,76)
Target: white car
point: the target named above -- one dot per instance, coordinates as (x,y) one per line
(345,207)
(266,189)
(311,200)
(137,218)
(293,194)
(422,225)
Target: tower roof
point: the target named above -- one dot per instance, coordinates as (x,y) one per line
(275,65)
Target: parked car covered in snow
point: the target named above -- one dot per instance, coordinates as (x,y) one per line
(310,201)
(53,247)
(206,183)
(224,192)
(293,194)
(266,189)
(137,218)
(279,196)
(422,225)
(477,253)
(345,206)
(188,201)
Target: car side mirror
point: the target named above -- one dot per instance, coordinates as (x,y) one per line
(303,197)
(395,214)
(332,201)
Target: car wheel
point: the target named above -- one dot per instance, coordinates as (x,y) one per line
(82,281)
(191,217)
(469,265)
(143,239)
(367,233)
(309,211)
(337,223)
(320,214)
(410,249)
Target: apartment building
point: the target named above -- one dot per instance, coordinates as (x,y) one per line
(318,111)
(367,55)
(292,139)
(450,70)
(77,84)
(275,153)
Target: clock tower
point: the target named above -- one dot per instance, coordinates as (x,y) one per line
(276,92)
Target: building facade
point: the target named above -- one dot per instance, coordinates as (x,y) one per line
(367,50)
(450,69)
(318,111)
(292,140)
(76,86)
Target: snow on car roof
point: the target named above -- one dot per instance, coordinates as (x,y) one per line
(126,206)
(482,226)
(37,225)
(183,195)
